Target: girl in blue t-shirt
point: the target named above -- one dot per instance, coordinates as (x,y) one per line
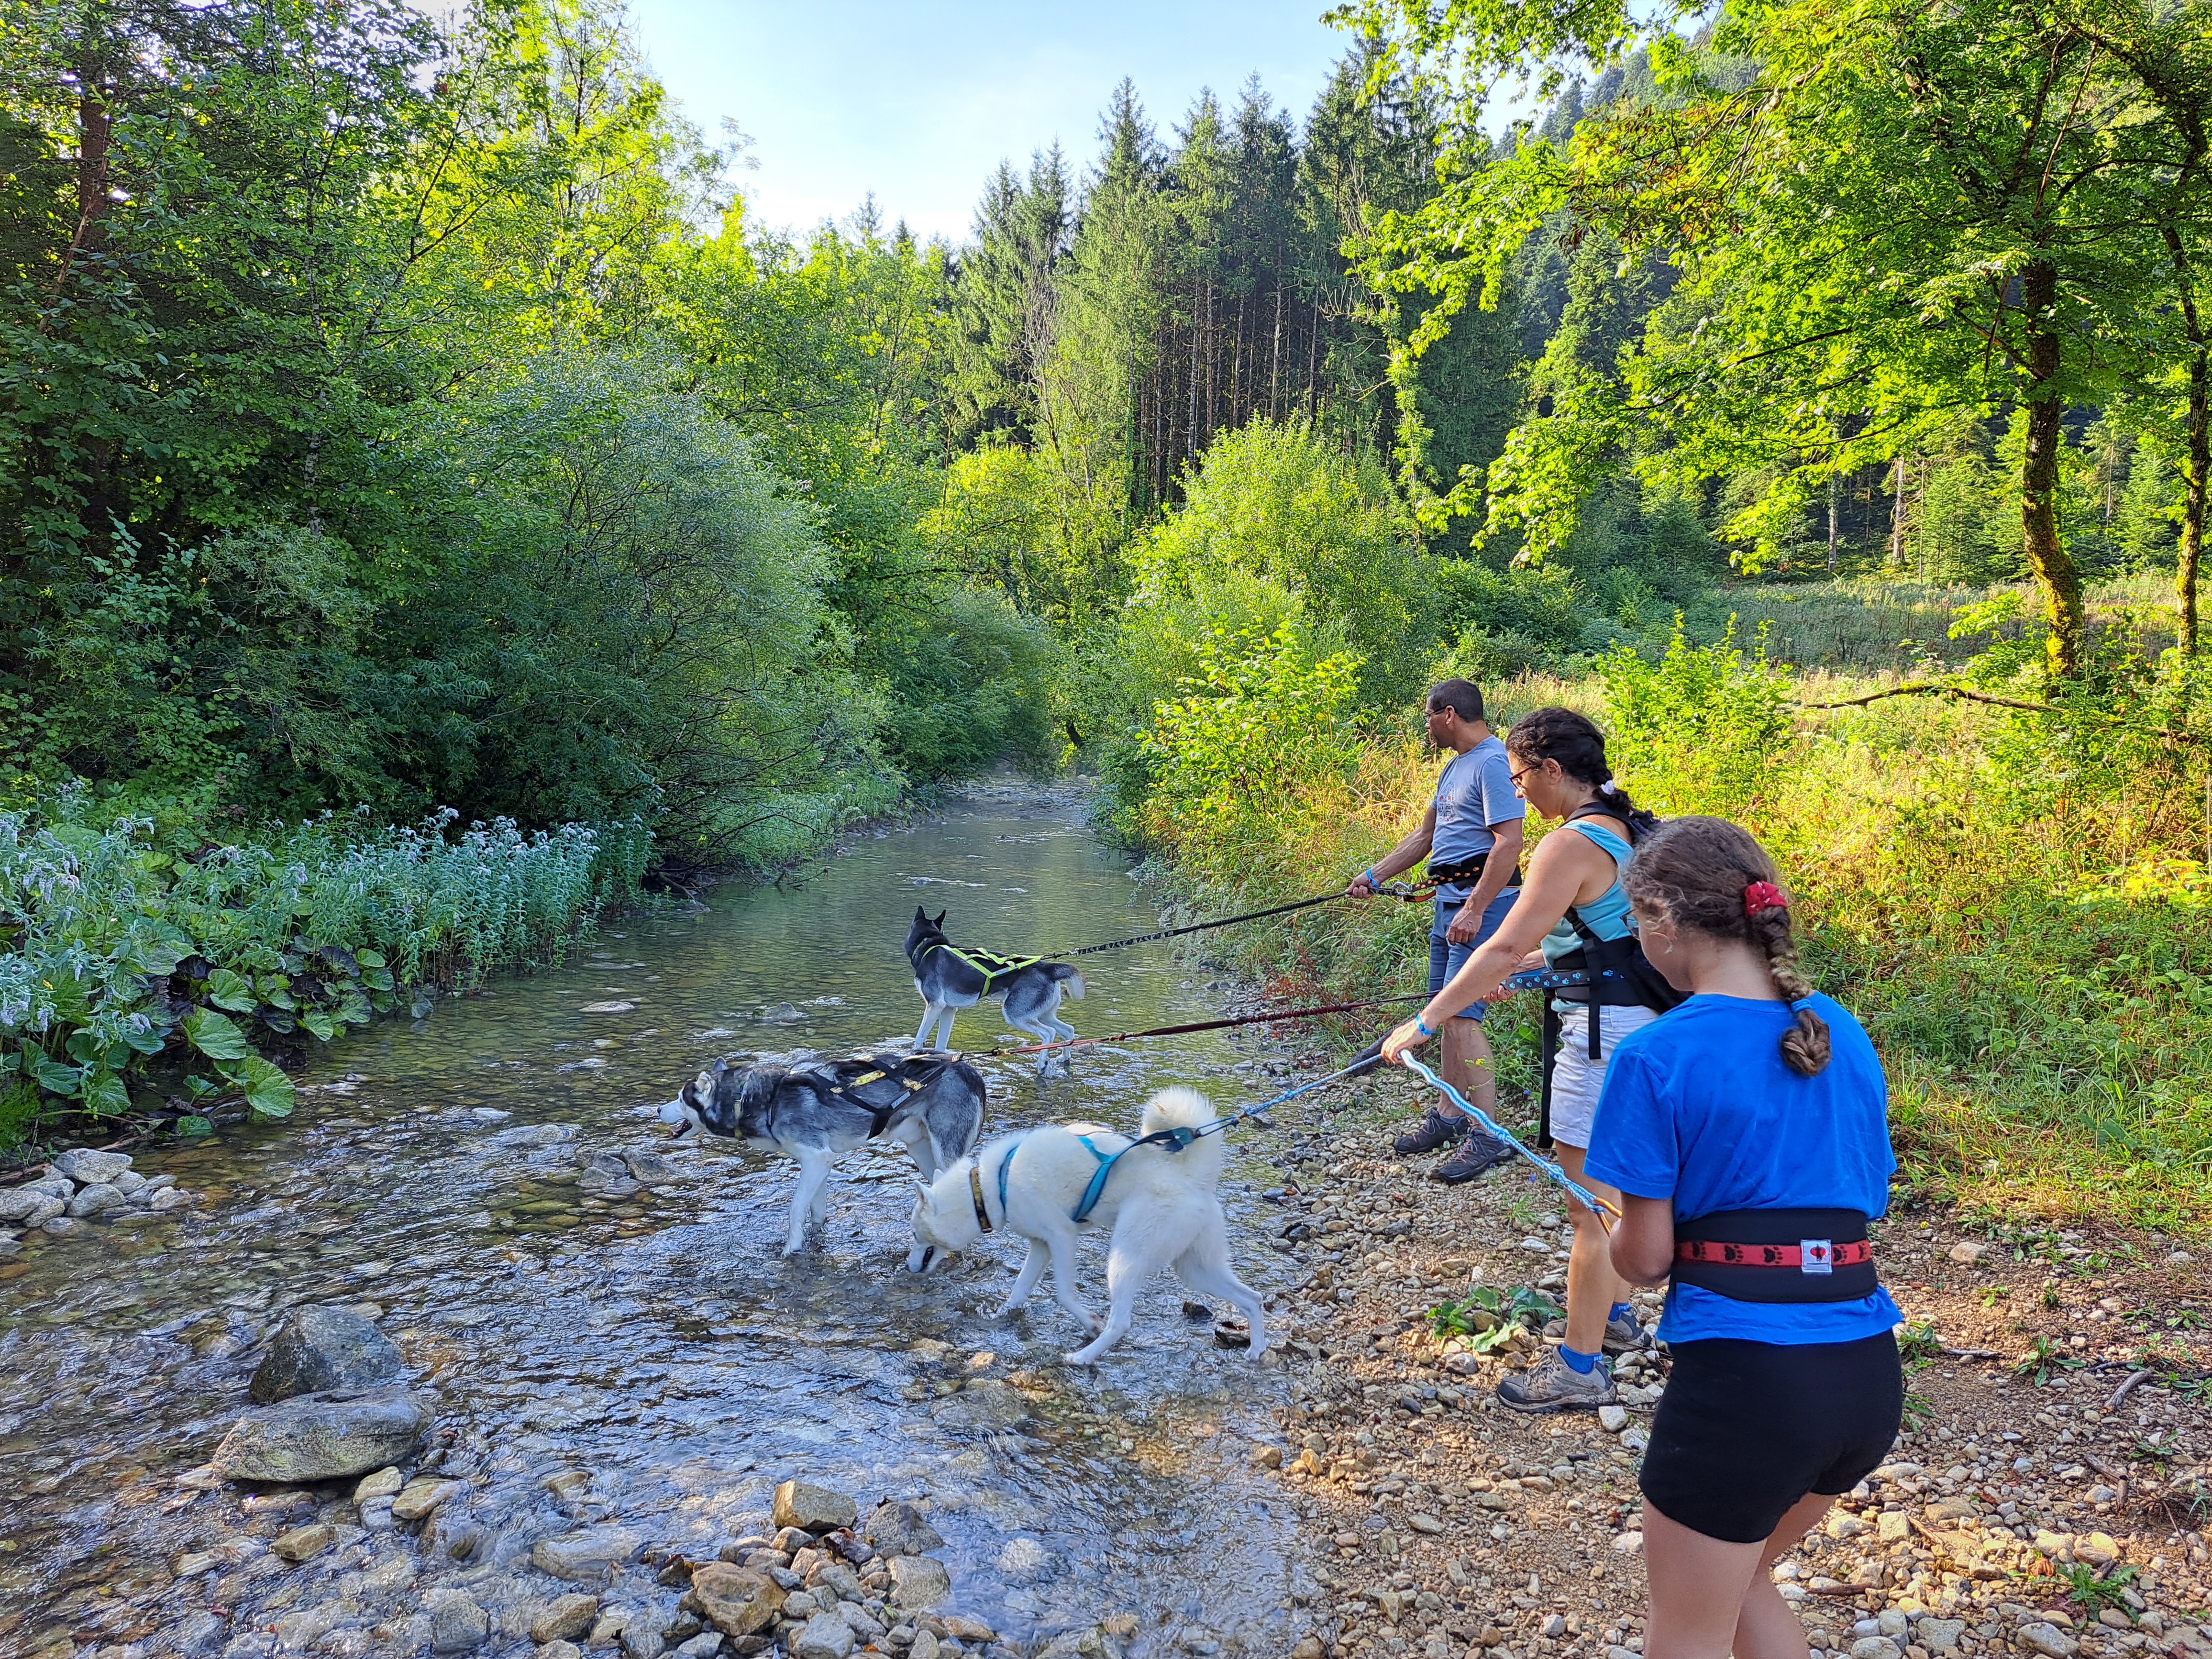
(1747,1134)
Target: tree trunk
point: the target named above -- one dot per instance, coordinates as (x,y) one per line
(2047,556)
(1835,517)
(2196,461)
(1897,520)
(1275,364)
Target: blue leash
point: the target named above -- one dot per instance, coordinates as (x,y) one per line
(1177,1138)
(1550,1169)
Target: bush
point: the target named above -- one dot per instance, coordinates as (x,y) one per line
(1702,724)
(1258,726)
(143,954)
(971,684)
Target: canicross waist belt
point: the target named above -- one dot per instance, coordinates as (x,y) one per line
(1811,1255)
(1463,872)
(1777,1256)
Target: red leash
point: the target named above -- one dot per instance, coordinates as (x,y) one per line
(1218,1025)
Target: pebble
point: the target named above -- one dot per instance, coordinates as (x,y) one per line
(423,1495)
(1628,1543)
(385,1483)
(825,1635)
(585,1556)
(2048,1640)
(814,1509)
(303,1543)
(1875,1647)
(918,1582)
(1939,1635)
(458,1624)
(1613,1419)
(563,1617)
(323,1348)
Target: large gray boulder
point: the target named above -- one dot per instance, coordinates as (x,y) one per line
(84,1164)
(322,1349)
(321,1438)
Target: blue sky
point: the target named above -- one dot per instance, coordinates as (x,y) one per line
(918,102)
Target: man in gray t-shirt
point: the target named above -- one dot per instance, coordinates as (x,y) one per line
(1471,836)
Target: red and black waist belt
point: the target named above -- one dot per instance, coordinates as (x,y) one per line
(1777,1256)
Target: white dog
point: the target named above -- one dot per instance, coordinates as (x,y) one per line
(1159,1201)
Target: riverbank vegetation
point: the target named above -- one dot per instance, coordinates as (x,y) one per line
(407,424)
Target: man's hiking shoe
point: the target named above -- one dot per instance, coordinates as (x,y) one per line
(1625,1336)
(1552,1385)
(1433,1134)
(1477,1154)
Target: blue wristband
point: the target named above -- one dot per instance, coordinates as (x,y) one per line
(1422,1026)
(1368,875)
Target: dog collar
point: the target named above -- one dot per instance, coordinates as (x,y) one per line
(976,1191)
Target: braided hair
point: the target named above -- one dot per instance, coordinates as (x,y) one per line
(1709,874)
(1574,741)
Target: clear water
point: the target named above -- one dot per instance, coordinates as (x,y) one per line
(662,1344)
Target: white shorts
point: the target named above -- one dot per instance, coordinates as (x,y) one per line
(1576,1079)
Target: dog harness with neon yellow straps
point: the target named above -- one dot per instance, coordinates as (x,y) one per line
(989,964)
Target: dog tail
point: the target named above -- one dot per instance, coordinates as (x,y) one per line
(1186,1109)
(1071,978)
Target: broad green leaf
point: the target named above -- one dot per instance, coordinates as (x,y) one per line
(229,990)
(369,959)
(104,1095)
(269,1092)
(214,1035)
(54,1077)
(320,1023)
(195,1126)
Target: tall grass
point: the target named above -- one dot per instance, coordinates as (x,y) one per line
(148,961)
(2017,905)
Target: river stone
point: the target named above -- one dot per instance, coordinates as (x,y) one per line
(2049,1639)
(901,1529)
(320,1349)
(817,1508)
(918,1582)
(1939,1635)
(304,1543)
(564,1617)
(458,1624)
(385,1483)
(735,1600)
(1874,1647)
(96,1199)
(585,1556)
(825,1635)
(420,1496)
(28,1203)
(321,1438)
(81,1163)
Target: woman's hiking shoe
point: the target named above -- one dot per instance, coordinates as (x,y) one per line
(1552,1385)
(1478,1153)
(1432,1133)
(1625,1336)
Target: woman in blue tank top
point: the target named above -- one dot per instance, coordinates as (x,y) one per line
(1573,909)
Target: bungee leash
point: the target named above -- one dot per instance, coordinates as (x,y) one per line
(1218,1024)
(1606,1213)
(1177,1138)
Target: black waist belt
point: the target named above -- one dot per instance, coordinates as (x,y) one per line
(1465,872)
(1777,1256)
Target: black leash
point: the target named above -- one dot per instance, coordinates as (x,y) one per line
(1395,890)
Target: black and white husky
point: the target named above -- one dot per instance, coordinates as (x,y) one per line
(1161,1206)
(948,979)
(816,1112)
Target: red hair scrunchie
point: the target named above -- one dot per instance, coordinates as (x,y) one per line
(1764,895)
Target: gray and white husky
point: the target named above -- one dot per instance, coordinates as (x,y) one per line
(817,1110)
(948,979)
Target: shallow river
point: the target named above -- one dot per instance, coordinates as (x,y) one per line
(658,1342)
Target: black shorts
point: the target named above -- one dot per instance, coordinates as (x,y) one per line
(1745,1429)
